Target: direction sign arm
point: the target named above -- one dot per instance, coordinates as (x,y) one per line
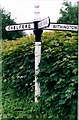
(44,23)
(56,26)
(21,26)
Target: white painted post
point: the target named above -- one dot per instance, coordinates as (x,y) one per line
(37,50)
(37,61)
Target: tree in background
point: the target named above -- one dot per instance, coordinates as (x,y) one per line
(6,20)
(69,13)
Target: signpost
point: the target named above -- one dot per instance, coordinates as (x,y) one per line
(38,26)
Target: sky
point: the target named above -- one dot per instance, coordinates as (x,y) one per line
(22,11)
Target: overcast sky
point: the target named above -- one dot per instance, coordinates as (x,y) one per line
(23,10)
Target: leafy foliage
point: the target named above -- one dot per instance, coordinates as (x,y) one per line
(6,20)
(69,13)
(58,77)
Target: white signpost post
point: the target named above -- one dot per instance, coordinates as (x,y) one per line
(38,31)
(37,61)
(38,27)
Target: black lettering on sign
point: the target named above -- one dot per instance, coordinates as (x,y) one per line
(75,27)
(19,26)
(29,25)
(54,26)
(72,27)
(11,28)
(25,26)
(22,26)
(59,26)
(14,27)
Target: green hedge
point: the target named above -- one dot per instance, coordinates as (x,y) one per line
(18,75)
(58,77)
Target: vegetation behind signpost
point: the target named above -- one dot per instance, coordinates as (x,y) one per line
(69,14)
(7,20)
(58,77)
